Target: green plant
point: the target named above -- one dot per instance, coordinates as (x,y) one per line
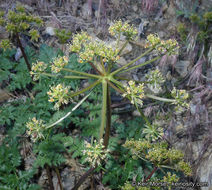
(18,21)
(203,23)
(186,10)
(182,30)
(62,35)
(10,176)
(102,59)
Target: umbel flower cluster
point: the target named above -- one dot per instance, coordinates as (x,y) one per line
(88,49)
(180,99)
(159,154)
(125,29)
(95,153)
(162,46)
(135,93)
(35,129)
(59,63)
(155,80)
(59,94)
(153,132)
(37,69)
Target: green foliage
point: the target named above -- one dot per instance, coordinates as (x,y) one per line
(10,176)
(182,30)
(63,35)
(187,10)
(51,151)
(19,20)
(203,23)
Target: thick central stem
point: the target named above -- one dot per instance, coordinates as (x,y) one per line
(104,108)
(108,119)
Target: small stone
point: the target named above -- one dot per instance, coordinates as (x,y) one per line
(86,84)
(136,113)
(50,30)
(86,11)
(18,54)
(135,8)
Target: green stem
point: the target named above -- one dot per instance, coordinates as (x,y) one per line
(142,64)
(114,87)
(124,45)
(82,73)
(66,77)
(117,44)
(168,167)
(131,62)
(104,109)
(159,98)
(86,89)
(142,115)
(123,78)
(121,88)
(94,67)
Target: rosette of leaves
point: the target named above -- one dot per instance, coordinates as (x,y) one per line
(63,35)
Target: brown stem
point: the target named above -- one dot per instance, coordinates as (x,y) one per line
(83,178)
(92,182)
(59,178)
(51,186)
(23,52)
(150,175)
(114,87)
(108,121)
(93,66)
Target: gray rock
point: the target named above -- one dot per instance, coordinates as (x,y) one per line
(182,67)
(18,54)
(86,11)
(204,170)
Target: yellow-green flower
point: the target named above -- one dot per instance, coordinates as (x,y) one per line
(180,97)
(37,69)
(5,44)
(135,93)
(35,129)
(59,94)
(155,80)
(95,153)
(59,63)
(123,28)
